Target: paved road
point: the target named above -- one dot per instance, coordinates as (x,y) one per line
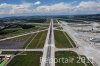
(66,49)
(48,56)
(21,49)
(49,47)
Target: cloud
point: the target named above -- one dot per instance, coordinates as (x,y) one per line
(37,3)
(91,7)
(84,7)
(53,9)
(15,8)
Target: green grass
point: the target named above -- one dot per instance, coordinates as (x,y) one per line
(21,31)
(29,39)
(61,40)
(39,40)
(86,60)
(16,31)
(60,28)
(31,59)
(22,38)
(10,52)
(46,26)
(55,25)
(43,28)
(70,40)
(4,62)
(72,58)
(8,31)
(1,61)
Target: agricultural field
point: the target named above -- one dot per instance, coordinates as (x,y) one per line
(62,40)
(71,58)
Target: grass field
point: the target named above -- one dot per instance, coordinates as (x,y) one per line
(71,59)
(22,38)
(16,31)
(55,25)
(60,28)
(3,62)
(10,52)
(28,40)
(61,41)
(31,59)
(39,40)
(70,40)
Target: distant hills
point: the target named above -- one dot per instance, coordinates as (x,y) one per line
(92,17)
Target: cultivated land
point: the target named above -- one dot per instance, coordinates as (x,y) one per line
(30,59)
(62,41)
(38,41)
(71,59)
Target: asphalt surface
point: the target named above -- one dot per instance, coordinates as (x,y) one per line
(21,49)
(48,56)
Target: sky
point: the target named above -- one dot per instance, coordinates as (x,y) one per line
(48,7)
